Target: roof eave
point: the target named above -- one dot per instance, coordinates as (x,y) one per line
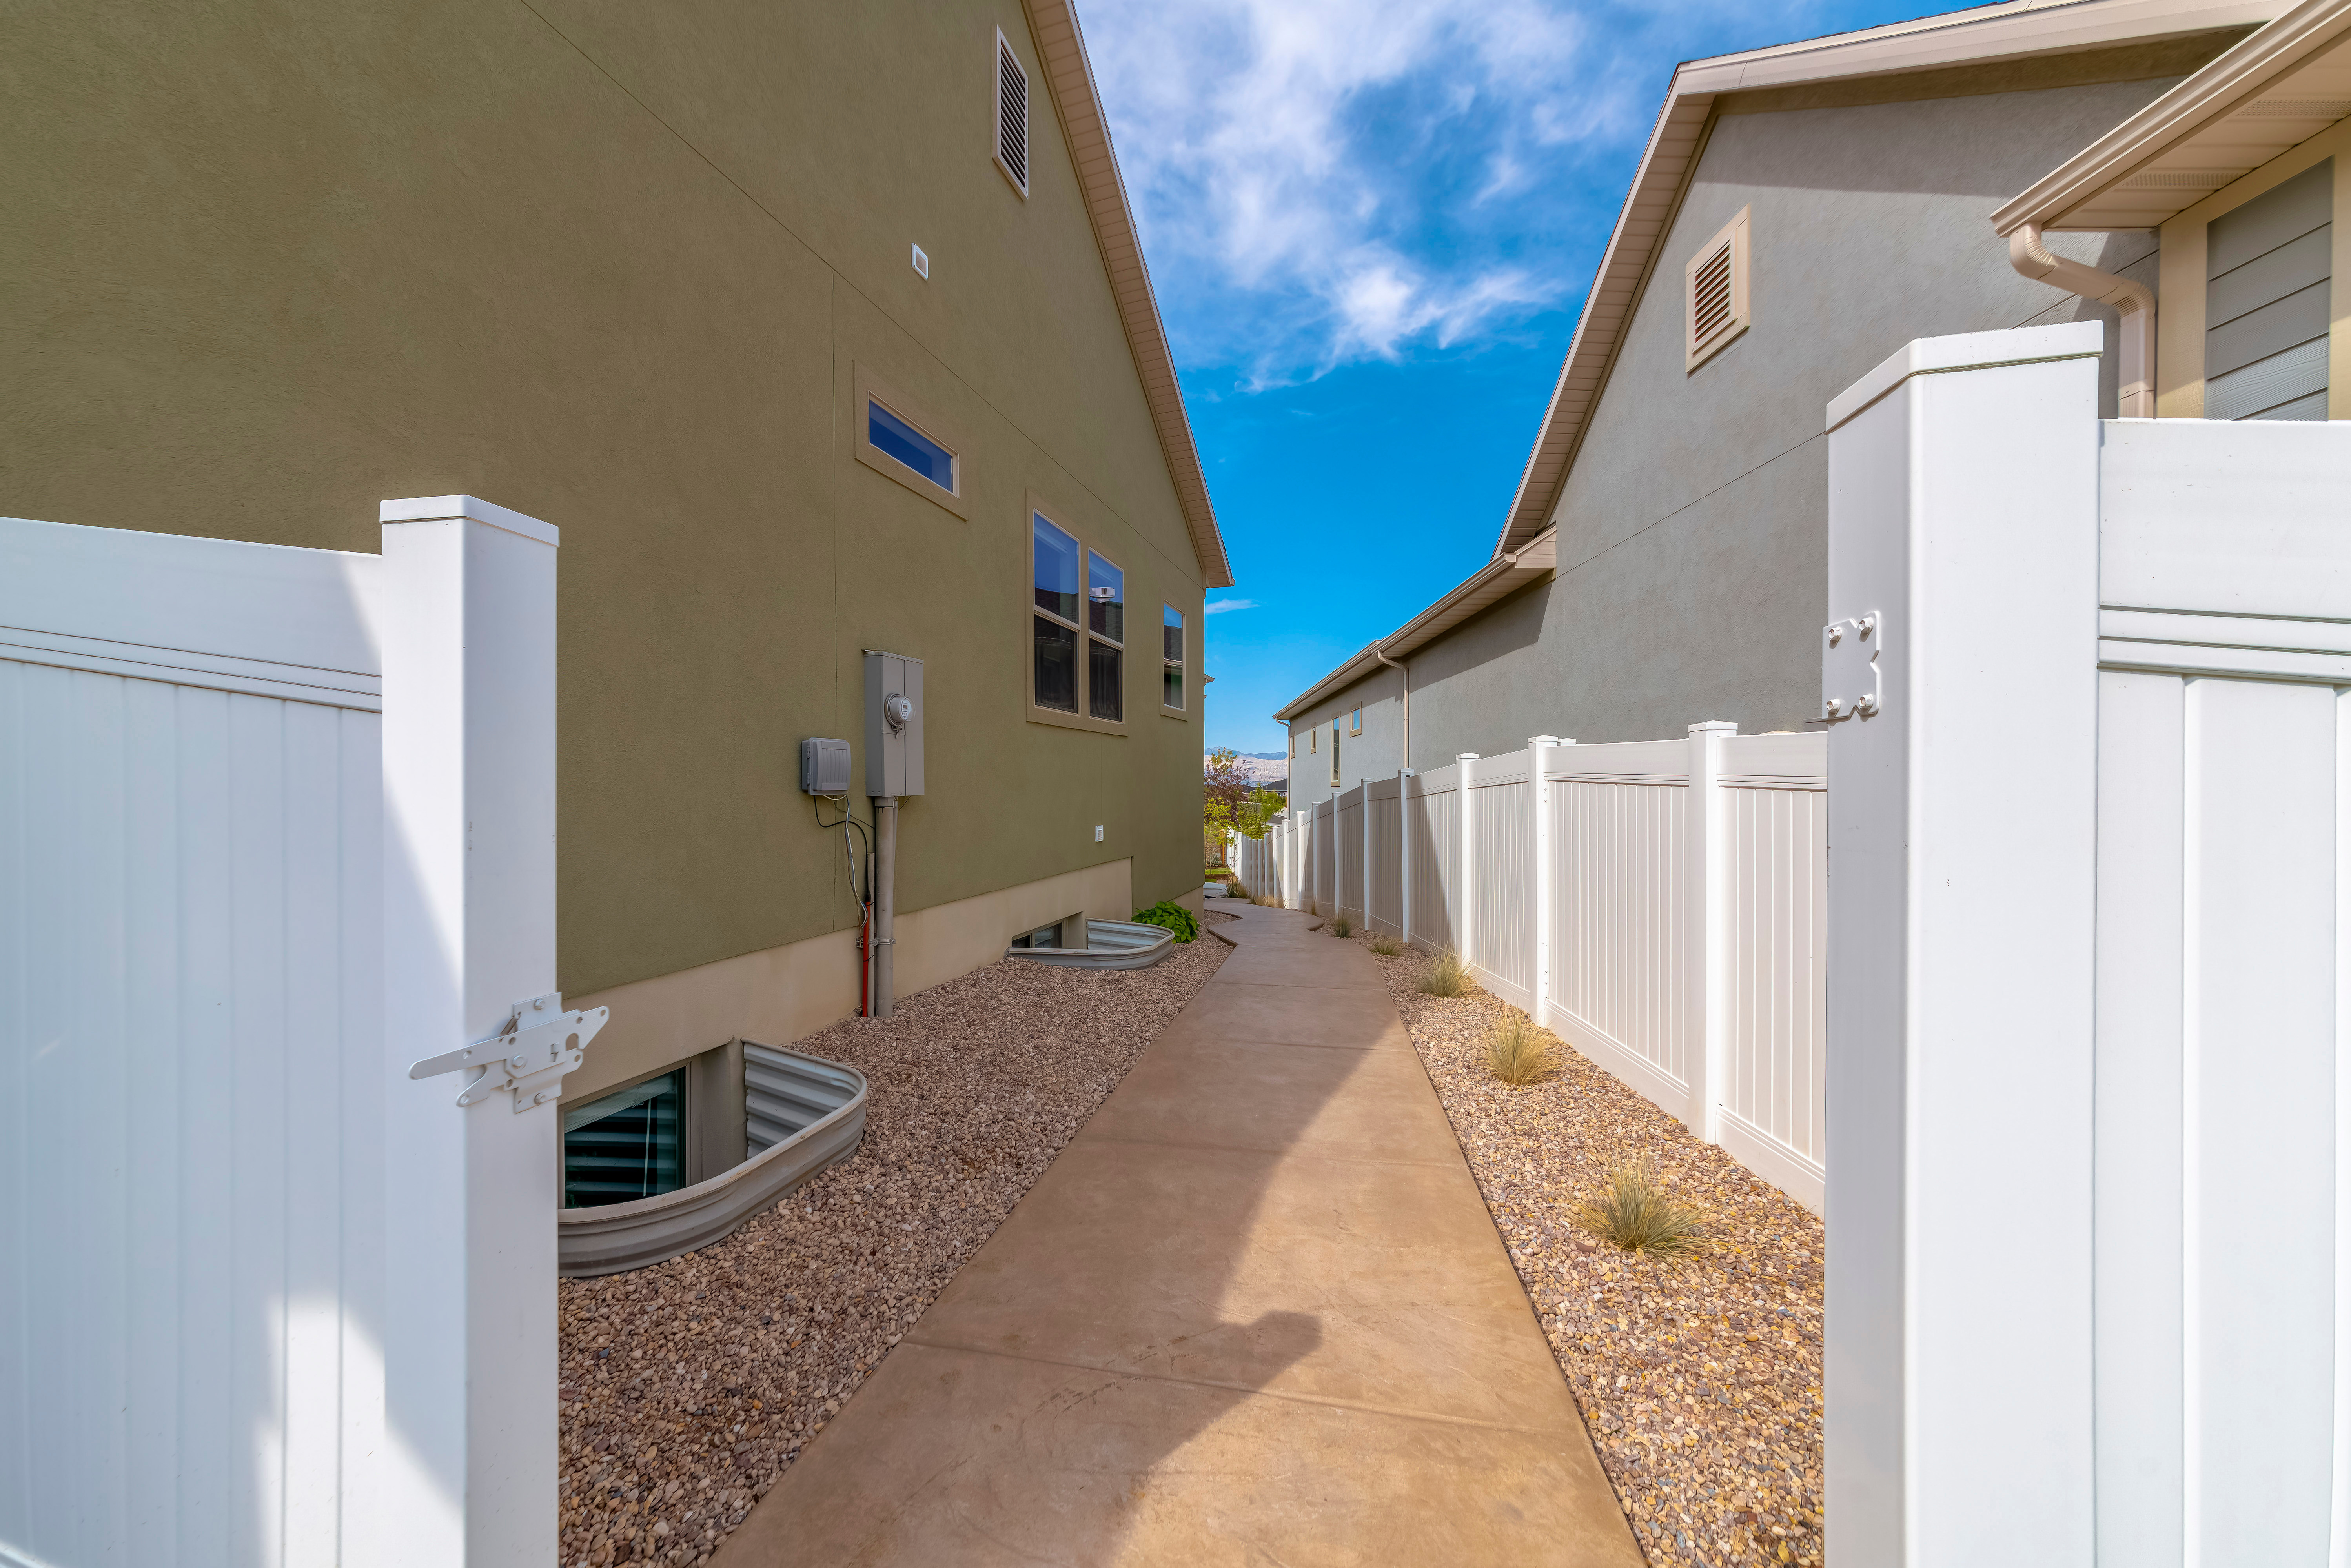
(1071,76)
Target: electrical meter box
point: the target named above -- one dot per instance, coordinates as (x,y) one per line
(894,724)
(824,767)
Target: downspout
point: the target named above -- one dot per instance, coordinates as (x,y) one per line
(2134,368)
(1405,680)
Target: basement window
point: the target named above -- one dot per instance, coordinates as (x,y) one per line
(626,1145)
(1714,289)
(1011,115)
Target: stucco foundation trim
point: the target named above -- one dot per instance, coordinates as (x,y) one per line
(789,992)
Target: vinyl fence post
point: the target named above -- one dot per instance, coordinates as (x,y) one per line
(1708,1040)
(1538,980)
(467,626)
(1403,854)
(1461,762)
(1963,589)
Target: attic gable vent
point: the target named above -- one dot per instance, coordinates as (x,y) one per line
(1715,291)
(1011,115)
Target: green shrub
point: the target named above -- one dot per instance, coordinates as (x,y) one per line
(1446,975)
(1174,916)
(1634,1213)
(1515,1054)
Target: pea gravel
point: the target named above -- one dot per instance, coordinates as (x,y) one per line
(688,1387)
(1701,1380)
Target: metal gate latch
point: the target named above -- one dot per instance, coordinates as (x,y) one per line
(539,1044)
(1849,675)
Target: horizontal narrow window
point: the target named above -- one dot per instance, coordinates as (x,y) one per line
(902,441)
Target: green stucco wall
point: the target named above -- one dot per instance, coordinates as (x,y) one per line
(612,265)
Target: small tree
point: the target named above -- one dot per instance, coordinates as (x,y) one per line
(1216,828)
(1255,818)
(1226,778)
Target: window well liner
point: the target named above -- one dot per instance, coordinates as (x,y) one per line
(803,1114)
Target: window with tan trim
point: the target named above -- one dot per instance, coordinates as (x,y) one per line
(1174,657)
(1714,292)
(1077,628)
(904,439)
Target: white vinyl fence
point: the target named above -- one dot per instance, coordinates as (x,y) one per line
(2090,960)
(275,824)
(1661,905)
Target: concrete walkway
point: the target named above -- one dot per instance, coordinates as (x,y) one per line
(1255,1313)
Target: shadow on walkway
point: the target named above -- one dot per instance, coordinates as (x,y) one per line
(1255,1313)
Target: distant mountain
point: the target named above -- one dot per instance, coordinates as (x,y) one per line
(1269,769)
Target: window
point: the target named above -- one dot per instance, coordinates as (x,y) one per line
(1057,627)
(1715,289)
(1011,115)
(1334,754)
(1356,721)
(1106,622)
(1171,657)
(1314,741)
(900,438)
(1077,628)
(909,446)
(626,1145)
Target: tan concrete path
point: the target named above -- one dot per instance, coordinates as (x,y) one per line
(1256,1312)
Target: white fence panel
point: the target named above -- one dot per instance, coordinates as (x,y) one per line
(220,1346)
(1435,826)
(1322,841)
(1775,944)
(1347,848)
(1619,885)
(1502,877)
(1386,895)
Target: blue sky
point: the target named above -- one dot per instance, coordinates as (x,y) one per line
(1370,223)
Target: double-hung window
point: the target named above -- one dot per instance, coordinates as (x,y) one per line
(1077,628)
(1171,658)
(1106,639)
(1056,668)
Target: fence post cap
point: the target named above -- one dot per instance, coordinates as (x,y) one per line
(1542,740)
(1465,757)
(1715,726)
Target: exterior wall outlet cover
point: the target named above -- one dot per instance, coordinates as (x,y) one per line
(921,264)
(1097,838)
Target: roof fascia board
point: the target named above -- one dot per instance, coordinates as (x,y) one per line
(1077,102)
(2218,90)
(1984,35)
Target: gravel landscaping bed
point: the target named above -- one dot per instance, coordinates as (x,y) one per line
(1700,1380)
(688,1387)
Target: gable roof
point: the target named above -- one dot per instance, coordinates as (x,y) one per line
(1070,76)
(1980,37)
(2277,89)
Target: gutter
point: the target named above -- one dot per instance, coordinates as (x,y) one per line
(2134,368)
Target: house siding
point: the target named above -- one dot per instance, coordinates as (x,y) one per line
(615,267)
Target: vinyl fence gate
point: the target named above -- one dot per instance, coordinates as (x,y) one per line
(2089,1200)
(275,825)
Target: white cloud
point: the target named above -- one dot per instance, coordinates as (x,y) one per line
(1218,606)
(1327,181)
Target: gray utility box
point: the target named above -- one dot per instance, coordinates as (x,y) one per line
(824,767)
(894,724)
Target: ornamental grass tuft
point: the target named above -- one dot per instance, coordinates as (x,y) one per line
(1446,975)
(1637,1215)
(1385,946)
(1517,1053)
(1343,926)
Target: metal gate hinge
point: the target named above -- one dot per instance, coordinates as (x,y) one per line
(1850,684)
(539,1044)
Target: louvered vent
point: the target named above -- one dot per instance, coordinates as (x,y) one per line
(1716,290)
(1011,115)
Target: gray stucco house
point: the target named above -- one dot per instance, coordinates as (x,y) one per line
(1799,212)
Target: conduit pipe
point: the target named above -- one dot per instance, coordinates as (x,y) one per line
(2134,367)
(1404,758)
(885,904)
